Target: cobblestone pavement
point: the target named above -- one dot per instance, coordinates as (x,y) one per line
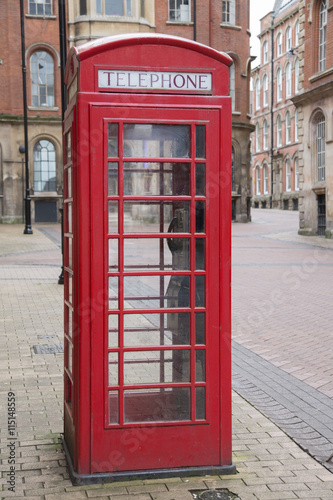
(270,465)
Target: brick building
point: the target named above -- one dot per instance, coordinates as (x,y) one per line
(44,110)
(224,25)
(314,104)
(275,141)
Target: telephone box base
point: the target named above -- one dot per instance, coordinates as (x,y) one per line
(82,479)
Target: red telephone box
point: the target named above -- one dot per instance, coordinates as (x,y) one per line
(147,211)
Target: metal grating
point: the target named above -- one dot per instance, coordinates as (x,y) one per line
(48,349)
(219,494)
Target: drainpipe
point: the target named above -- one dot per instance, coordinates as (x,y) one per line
(194,20)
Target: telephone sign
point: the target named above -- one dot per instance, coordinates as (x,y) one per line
(147,155)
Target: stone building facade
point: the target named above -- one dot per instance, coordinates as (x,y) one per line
(222,25)
(275,161)
(314,104)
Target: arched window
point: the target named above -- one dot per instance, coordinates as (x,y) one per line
(296,76)
(265,169)
(279,84)
(320,140)
(288,175)
(258,191)
(265,51)
(288,38)
(42,79)
(228,12)
(279,45)
(296,175)
(278,131)
(44,157)
(265,86)
(297,34)
(232,85)
(296,125)
(322,35)
(288,128)
(257,138)
(265,145)
(288,80)
(258,94)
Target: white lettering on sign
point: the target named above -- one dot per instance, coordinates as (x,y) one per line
(151,80)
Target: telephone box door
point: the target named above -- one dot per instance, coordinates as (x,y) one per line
(155,261)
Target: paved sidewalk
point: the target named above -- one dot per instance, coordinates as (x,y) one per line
(270,465)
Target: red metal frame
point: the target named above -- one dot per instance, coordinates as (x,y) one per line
(94,447)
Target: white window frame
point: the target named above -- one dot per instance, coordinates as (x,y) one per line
(288,128)
(296,76)
(322,35)
(228,12)
(296,174)
(257,94)
(265,135)
(288,38)
(265,170)
(232,86)
(320,141)
(278,131)
(44,167)
(265,52)
(297,34)
(296,125)
(258,181)
(288,175)
(288,80)
(265,91)
(279,85)
(103,8)
(279,45)
(257,137)
(42,82)
(40,7)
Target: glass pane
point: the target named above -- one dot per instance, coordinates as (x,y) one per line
(70,252)
(69,329)
(113,217)
(113,179)
(199,216)
(156,329)
(200,141)
(69,218)
(157,179)
(113,292)
(200,328)
(70,288)
(153,292)
(200,179)
(157,405)
(200,369)
(69,183)
(113,407)
(199,253)
(113,255)
(70,357)
(199,291)
(113,368)
(156,254)
(68,146)
(200,403)
(156,216)
(154,367)
(112,138)
(113,331)
(156,140)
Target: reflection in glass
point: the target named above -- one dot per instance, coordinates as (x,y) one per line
(113,292)
(113,254)
(200,370)
(156,329)
(70,288)
(156,254)
(70,357)
(113,217)
(70,253)
(112,178)
(200,179)
(199,253)
(200,141)
(69,322)
(200,328)
(199,291)
(69,182)
(113,368)
(113,140)
(157,405)
(113,407)
(113,330)
(156,179)
(156,216)
(69,218)
(157,140)
(200,403)
(199,216)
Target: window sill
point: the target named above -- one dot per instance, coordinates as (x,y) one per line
(45,194)
(231,26)
(320,75)
(40,16)
(43,108)
(181,23)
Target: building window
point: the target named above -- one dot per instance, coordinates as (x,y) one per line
(288,38)
(279,45)
(232,168)
(297,34)
(288,80)
(265,85)
(114,7)
(296,125)
(232,86)
(257,138)
(296,175)
(42,79)
(265,50)
(278,131)
(296,76)
(44,157)
(258,180)
(228,12)
(265,145)
(258,94)
(40,7)
(279,84)
(321,148)
(288,175)
(179,10)
(288,128)
(322,35)
(265,179)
